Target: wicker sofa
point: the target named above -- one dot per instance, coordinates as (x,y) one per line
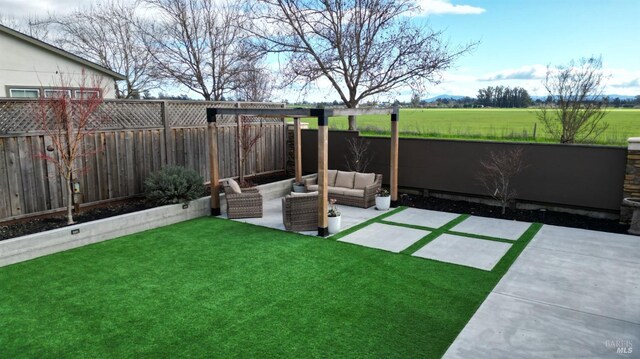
(242,203)
(350,188)
(300,211)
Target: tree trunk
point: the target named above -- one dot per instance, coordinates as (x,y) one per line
(352,123)
(69,201)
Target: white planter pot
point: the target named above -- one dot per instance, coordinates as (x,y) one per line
(334,224)
(383,203)
(299,188)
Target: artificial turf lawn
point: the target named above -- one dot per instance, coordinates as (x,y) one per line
(211,287)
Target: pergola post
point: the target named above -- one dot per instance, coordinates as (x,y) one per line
(395,114)
(213,161)
(297,148)
(323,168)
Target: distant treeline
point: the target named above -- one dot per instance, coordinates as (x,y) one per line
(505,97)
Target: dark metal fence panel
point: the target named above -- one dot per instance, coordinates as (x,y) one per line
(565,175)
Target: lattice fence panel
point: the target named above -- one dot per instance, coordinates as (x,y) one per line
(129,115)
(190,114)
(18,116)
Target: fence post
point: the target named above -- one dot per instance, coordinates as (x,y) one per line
(168,134)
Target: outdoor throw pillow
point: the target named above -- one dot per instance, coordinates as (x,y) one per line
(363,180)
(345,179)
(332,177)
(235,187)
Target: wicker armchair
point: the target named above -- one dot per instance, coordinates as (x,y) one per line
(247,204)
(300,212)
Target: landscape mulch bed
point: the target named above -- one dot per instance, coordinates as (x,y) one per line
(483,210)
(43,223)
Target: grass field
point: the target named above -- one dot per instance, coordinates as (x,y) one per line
(217,288)
(492,124)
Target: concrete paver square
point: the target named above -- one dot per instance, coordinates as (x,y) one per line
(492,227)
(422,217)
(470,252)
(387,237)
(595,285)
(508,327)
(598,244)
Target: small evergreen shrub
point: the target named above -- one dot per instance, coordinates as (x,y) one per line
(173,185)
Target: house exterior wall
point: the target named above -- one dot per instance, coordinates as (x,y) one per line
(23,65)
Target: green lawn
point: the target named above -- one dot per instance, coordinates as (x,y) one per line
(217,288)
(499,124)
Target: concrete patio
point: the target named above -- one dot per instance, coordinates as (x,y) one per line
(571,293)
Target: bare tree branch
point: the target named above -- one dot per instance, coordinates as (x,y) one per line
(198,44)
(107,34)
(362,47)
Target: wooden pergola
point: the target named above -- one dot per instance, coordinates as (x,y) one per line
(323,116)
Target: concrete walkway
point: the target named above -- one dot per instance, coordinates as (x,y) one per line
(570,294)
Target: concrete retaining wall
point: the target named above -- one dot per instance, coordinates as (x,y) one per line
(40,244)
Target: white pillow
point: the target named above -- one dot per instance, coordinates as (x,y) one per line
(235,187)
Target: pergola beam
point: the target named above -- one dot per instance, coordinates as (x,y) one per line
(301,112)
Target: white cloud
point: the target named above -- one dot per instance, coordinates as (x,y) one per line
(528,72)
(20,8)
(442,7)
(626,84)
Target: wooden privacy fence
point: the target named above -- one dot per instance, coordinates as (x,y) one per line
(139,137)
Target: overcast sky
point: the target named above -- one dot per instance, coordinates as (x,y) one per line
(519,38)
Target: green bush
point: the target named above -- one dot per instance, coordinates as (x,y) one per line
(173,185)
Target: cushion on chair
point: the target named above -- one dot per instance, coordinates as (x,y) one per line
(363,180)
(336,190)
(312,187)
(235,187)
(352,192)
(311,181)
(345,179)
(332,177)
(308,194)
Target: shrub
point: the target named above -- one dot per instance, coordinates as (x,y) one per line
(173,185)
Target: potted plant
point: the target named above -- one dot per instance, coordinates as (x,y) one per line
(299,187)
(334,217)
(383,199)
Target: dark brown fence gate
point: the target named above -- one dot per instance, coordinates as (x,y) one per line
(139,138)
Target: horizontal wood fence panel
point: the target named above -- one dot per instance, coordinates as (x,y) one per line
(142,137)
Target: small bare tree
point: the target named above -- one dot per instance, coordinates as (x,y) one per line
(363,48)
(254,82)
(66,122)
(498,173)
(250,136)
(357,157)
(580,104)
